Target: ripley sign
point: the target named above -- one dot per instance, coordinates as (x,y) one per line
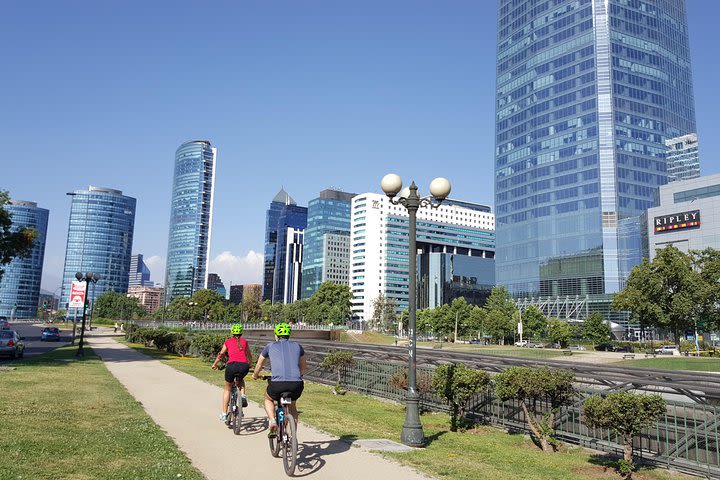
(677,221)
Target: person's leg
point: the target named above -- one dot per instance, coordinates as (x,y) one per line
(269,405)
(226,397)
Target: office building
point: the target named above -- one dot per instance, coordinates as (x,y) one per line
(151,298)
(455,247)
(688,216)
(99,240)
(236,294)
(683,157)
(288,266)
(284,213)
(215,283)
(190,219)
(20,284)
(139,272)
(245,292)
(326,253)
(587,92)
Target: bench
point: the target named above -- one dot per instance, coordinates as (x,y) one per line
(629,356)
(567,352)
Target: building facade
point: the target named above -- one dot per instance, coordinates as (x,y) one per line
(139,272)
(248,291)
(379,258)
(288,271)
(326,252)
(20,284)
(688,216)
(190,219)
(683,157)
(99,240)
(283,213)
(151,298)
(587,92)
(216,284)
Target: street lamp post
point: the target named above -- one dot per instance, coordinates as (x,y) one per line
(89,277)
(412,431)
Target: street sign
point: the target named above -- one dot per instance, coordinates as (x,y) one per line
(77,294)
(520,328)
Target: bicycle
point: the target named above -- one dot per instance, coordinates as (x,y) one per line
(235,409)
(285,442)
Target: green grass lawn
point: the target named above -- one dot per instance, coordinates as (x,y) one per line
(508,351)
(675,363)
(483,453)
(71,419)
(367,337)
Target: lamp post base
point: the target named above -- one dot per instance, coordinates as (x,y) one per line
(412,433)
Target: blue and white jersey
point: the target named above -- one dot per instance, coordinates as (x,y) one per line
(284,358)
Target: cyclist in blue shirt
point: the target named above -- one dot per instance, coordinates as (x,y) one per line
(287,361)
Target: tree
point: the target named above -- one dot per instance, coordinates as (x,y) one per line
(534,322)
(336,300)
(499,313)
(251,309)
(707,264)
(384,315)
(596,329)
(115,305)
(559,331)
(337,361)
(627,414)
(14,241)
(457,384)
(530,385)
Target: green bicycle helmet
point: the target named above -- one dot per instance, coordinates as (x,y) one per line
(282,330)
(236,329)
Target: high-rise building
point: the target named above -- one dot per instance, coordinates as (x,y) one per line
(587,92)
(282,214)
(149,297)
(215,283)
(455,248)
(190,219)
(139,272)
(288,266)
(238,293)
(99,240)
(326,252)
(20,284)
(683,157)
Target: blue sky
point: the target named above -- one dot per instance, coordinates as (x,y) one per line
(304,95)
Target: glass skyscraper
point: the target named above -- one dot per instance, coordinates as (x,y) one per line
(190,219)
(328,217)
(283,213)
(139,272)
(587,93)
(20,284)
(100,237)
(683,157)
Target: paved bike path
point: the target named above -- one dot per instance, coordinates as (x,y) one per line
(187,410)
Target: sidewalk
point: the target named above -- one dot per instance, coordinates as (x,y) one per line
(187,410)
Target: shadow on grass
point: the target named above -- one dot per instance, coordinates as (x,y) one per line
(311,455)
(435,436)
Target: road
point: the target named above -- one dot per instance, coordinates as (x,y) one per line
(33,345)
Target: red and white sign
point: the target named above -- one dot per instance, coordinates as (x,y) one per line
(77,294)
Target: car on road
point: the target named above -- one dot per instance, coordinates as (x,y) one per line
(521,343)
(668,350)
(535,345)
(4,324)
(576,347)
(11,344)
(50,334)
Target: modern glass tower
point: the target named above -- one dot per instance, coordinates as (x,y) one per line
(283,213)
(683,157)
(20,284)
(100,237)
(324,258)
(139,272)
(190,219)
(587,93)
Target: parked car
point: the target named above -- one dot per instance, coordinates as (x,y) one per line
(667,350)
(476,341)
(11,343)
(521,343)
(50,334)
(553,345)
(577,347)
(534,345)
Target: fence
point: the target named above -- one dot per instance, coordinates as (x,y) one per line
(200,325)
(686,439)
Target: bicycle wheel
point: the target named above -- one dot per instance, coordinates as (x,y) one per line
(275,443)
(290,445)
(238,415)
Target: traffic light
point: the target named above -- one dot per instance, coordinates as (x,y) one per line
(44,305)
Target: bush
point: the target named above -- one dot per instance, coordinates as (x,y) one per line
(423,381)
(207,345)
(337,361)
(181,346)
(457,384)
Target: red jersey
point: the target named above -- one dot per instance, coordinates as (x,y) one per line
(237,349)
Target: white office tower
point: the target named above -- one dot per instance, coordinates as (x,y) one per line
(379,249)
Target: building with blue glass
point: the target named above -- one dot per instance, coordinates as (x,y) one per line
(20,283)
(139,272)
(99,240)
(455,248)
(191,208)
(683,157)
(284,213)
(587,92)
(326,252)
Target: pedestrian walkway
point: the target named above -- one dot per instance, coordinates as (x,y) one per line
(187,410)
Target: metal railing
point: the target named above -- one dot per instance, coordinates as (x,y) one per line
(200,325)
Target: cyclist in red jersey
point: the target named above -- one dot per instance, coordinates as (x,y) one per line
(238,365)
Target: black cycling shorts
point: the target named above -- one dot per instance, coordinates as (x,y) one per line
(236,369)
(275,389)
